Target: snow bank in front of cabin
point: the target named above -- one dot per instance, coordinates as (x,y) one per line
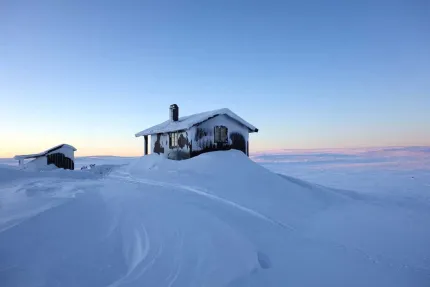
(39,164)
(217,219)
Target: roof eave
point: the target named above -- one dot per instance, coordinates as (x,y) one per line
(225,112)
(44,153)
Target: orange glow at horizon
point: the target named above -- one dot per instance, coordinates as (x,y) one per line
(130,146)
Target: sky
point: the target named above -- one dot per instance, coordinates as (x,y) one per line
(308,74)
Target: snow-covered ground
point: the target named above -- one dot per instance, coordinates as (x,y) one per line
(400,170)
(219,219)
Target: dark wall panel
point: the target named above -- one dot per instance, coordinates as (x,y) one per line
(60,161)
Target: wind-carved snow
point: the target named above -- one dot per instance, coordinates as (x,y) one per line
(135,253)
(214,220)
(202,193)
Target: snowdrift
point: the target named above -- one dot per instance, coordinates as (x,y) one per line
(218,219)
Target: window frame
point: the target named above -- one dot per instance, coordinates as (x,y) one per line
(220,134)
(174,139)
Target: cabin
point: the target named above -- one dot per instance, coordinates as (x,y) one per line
(185,137)
(61,156)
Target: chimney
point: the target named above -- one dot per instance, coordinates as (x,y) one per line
(174,113)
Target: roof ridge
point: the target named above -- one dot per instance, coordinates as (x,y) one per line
(187,122)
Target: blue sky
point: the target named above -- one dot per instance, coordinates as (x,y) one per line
(308,74)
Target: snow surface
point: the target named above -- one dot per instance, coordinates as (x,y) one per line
(187,122)
(218,219)
(388,171)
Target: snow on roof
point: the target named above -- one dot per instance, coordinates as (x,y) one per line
(27,156)
(187,122)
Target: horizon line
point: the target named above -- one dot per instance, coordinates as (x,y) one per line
(259,152)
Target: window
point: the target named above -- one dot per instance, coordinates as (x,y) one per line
(220,134)
(173,139)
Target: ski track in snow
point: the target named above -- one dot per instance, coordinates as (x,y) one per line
(137,253)
(141,248)
(174,275)
(204,194)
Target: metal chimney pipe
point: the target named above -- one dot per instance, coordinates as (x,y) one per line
(174,113)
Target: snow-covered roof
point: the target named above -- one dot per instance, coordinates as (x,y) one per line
(27,156)
(187,122)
